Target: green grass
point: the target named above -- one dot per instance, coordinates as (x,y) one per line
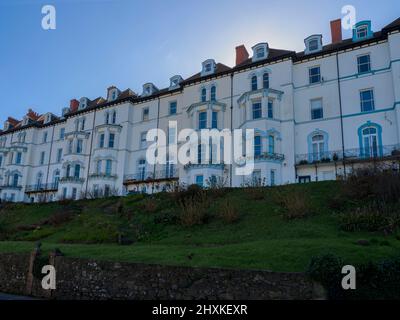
(261,239)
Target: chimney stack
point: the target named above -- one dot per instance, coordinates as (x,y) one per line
(73,105)
(241,54)
(336,31)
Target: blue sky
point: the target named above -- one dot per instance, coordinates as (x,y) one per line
(126,43)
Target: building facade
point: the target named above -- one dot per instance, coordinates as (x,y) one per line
(317,115)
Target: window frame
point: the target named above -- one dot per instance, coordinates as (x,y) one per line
(312,76)
(361,64)
(313,109)
(371,100)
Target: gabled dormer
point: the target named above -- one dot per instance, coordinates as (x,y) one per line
(48,117)
(174,82)
(362,30)
(83,103)
(260,51)
(10,123)
(149,89)
(313,44)
(26,120)
(112,93)
(208,67)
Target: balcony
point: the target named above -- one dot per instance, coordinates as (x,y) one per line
(72,180)
(158,176)
(11,187)
(265,156)
(390,152)
(37,188)
(103,176)
(209,164)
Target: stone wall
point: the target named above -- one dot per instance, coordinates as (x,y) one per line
(87,279)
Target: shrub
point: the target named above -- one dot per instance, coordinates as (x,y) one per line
(371,218)
(60,218)
(380,280)
(228,212)
(336,202)
(149,205)
(295,203)
(193,209)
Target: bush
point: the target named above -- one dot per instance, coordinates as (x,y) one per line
(371,218)
(149,205)
(193,209)
(296,204)
(60,218)
(373,183)
(228,212)
(379,280)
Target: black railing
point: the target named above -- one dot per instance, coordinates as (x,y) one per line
(380,152)
(42,187)
(166,174)
(208,164)
(72,179)
(11,186)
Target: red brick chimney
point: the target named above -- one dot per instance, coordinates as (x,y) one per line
(73,105)
(336,30)
(241,54)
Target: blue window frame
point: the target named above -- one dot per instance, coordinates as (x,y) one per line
(200,180)
(364,63)
(108,167)
(111,140)
(253,83)
(214,124)
(257,146)
(256,110)
(271,144)
(18,159)
(367,100)
(203,120)
(213,94)
(270,111)
(1,161)
(77,171)
(101,141)
(199,153)
(266,80)
(62,133)
(317,111)
(172,107)
(314,74)
(272,174)
(59,155)
(203,95)
(79,146)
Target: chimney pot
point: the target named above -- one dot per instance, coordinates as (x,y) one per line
(241,54)
(74,104)
(336,30)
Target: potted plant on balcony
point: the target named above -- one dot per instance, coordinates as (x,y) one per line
(335,157)
(303,162)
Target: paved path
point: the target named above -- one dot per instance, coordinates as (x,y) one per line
(6,296)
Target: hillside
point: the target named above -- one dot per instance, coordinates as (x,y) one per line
(277,228)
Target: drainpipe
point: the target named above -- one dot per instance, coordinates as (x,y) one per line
(90,152)
(341,112)
(51,152)
(231,164)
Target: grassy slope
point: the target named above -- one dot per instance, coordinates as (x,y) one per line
(261,239)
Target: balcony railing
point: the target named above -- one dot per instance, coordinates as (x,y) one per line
(103,176)
(72,180)
(152,176)
(11,187)
(209,164)
(356,154)
(41,187)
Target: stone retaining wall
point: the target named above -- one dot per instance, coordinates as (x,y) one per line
(88,279)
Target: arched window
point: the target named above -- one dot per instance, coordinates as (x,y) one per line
(266,80)
(257,146)
(253,83)
(77,171)
(370,142)
(318,147)
(213,93)
(203,95)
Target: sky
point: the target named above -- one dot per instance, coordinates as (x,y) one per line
(126,43)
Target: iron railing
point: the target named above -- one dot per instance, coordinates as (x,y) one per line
(354,154)
(11,186)
(41,187)
(166,174)
(208,164)
(72,180)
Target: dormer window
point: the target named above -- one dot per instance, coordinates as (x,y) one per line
(47,118)
(25,122)
(149,89)
(112,93)
(83,102)
(175,82)
(362,30)
(260,51)
(208,67)
(313,44)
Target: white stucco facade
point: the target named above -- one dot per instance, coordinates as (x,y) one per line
(317,115)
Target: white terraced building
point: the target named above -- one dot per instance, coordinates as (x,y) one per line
(317,115)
